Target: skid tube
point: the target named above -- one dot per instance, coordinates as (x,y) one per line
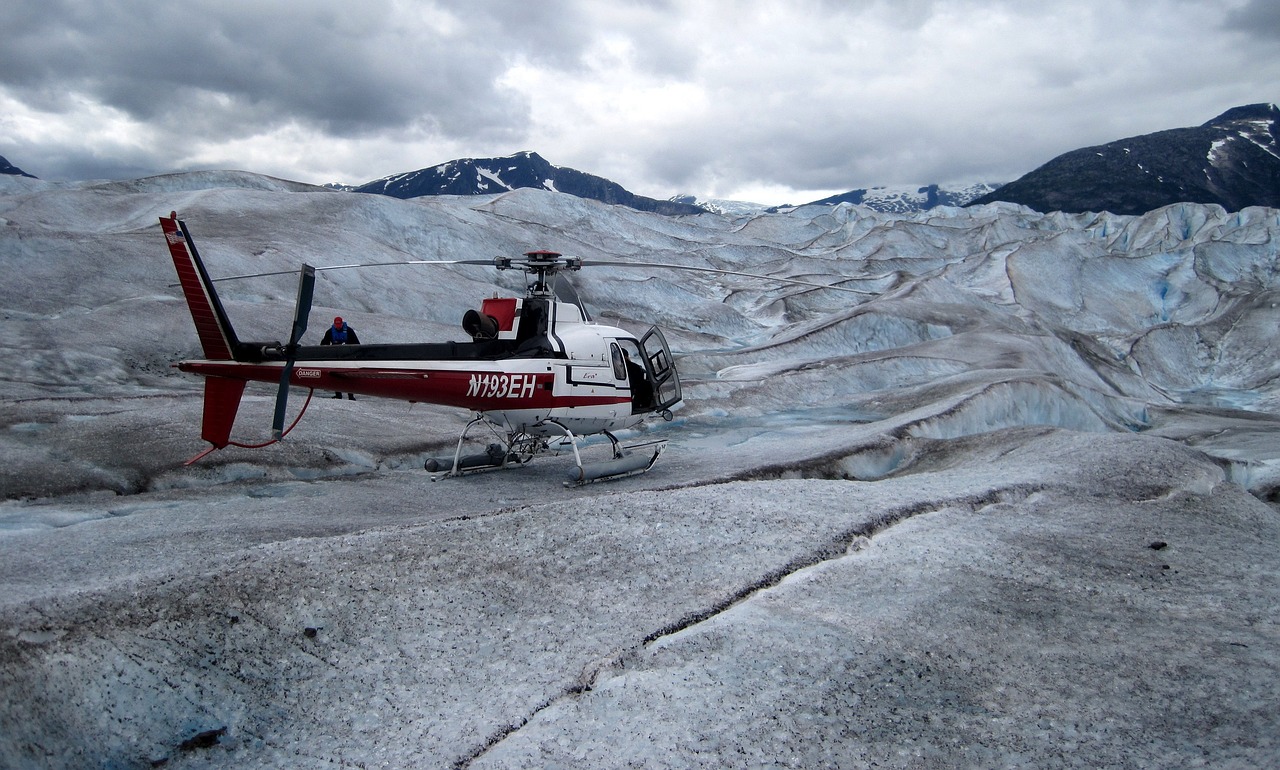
(494,456)
(626,461)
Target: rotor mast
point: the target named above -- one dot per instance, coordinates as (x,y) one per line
(541,267)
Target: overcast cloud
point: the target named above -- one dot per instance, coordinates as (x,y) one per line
(756,100)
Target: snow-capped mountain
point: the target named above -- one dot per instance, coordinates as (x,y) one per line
(1232,160)
(903,199)
(910,199)
(722,206)
(486,176)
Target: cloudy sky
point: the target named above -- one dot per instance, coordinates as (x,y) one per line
(762,100)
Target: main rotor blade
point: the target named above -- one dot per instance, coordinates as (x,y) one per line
(484,262)
(301,311)
(718,271)
(581,263)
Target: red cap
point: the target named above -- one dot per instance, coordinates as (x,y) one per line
(337,320)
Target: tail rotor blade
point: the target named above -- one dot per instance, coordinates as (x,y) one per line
(301,310)
(282,399)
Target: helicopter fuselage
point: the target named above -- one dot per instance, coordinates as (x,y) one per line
(576,376)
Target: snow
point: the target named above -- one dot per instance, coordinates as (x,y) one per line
(495,176)
(1217,151)
(1258,132)
(1014,504)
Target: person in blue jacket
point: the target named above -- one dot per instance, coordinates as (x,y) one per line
(340,333)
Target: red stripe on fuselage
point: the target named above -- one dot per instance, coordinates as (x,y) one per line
(478,391)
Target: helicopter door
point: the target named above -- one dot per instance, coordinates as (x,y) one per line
(662,370)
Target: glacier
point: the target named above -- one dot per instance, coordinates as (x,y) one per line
(1009,497)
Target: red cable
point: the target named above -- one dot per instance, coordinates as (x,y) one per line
(296,420)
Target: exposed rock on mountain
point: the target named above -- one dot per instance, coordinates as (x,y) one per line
(1232,160)
(8,168)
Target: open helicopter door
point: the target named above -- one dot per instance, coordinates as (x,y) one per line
(662,371)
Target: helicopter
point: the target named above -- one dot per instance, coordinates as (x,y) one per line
(535,370)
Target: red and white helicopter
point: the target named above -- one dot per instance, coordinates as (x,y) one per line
(536,368)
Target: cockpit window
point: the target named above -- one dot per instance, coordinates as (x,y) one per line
(619,365)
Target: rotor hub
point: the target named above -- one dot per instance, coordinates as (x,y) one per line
(541,267)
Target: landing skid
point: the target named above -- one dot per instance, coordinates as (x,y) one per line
(625,461)
(520,448)
(517,450)
(633,461)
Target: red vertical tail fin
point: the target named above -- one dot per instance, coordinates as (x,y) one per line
(212,325)
(221,402)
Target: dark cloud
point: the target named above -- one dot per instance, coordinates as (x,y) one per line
(1259,18)
(661,96)
(349,68)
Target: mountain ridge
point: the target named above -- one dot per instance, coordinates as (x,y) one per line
(1232,160)
(484,176)
(909,199)
(886,199)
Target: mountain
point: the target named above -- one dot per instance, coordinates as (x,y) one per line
(485,176)
(722,206)
(909,199)
(1232,160)
(8,168)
